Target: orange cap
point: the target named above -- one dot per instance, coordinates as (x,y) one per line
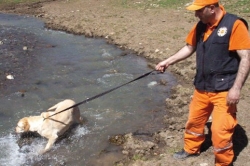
(198,4)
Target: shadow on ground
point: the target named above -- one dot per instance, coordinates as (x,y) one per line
(240,140)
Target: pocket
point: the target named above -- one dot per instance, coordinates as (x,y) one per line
(222,82)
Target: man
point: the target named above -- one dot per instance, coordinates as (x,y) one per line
(222,46)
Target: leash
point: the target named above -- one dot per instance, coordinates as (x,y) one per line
(101,94)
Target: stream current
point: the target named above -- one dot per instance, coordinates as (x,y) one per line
(67,66)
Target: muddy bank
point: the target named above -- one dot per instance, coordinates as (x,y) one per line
(154,33)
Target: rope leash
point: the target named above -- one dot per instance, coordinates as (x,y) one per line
(101,94)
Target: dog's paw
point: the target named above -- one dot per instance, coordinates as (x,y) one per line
(81,121)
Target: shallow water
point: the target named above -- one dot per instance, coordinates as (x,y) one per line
(75,67)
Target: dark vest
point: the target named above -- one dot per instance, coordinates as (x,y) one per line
(216,65)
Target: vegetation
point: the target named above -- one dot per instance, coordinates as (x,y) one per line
(146,4)
(241,6)
(7,2)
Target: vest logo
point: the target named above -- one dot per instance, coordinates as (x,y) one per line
(222,31)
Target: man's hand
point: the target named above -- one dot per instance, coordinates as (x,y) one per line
(183,53)
(162,66)
(233,96)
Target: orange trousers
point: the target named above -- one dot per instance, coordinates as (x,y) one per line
(203,105)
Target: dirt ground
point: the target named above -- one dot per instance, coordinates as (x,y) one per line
(154,33)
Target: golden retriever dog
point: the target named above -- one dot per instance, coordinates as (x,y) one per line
(54,126)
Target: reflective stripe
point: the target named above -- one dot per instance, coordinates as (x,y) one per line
(226,147)
(193,133)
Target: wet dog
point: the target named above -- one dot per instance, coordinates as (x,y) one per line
(52,127)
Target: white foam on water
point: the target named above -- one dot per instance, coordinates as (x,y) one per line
(151,84)
(108,79)
(9,154)
(12,155)
(98,116)
(105,53)
(129,76)
(80,131)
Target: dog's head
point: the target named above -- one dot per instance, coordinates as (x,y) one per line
(22,126)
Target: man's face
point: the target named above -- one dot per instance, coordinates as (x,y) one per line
(205,14)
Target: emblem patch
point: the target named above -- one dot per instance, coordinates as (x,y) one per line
(222,31)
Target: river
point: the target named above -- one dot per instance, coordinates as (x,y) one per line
(46,67)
